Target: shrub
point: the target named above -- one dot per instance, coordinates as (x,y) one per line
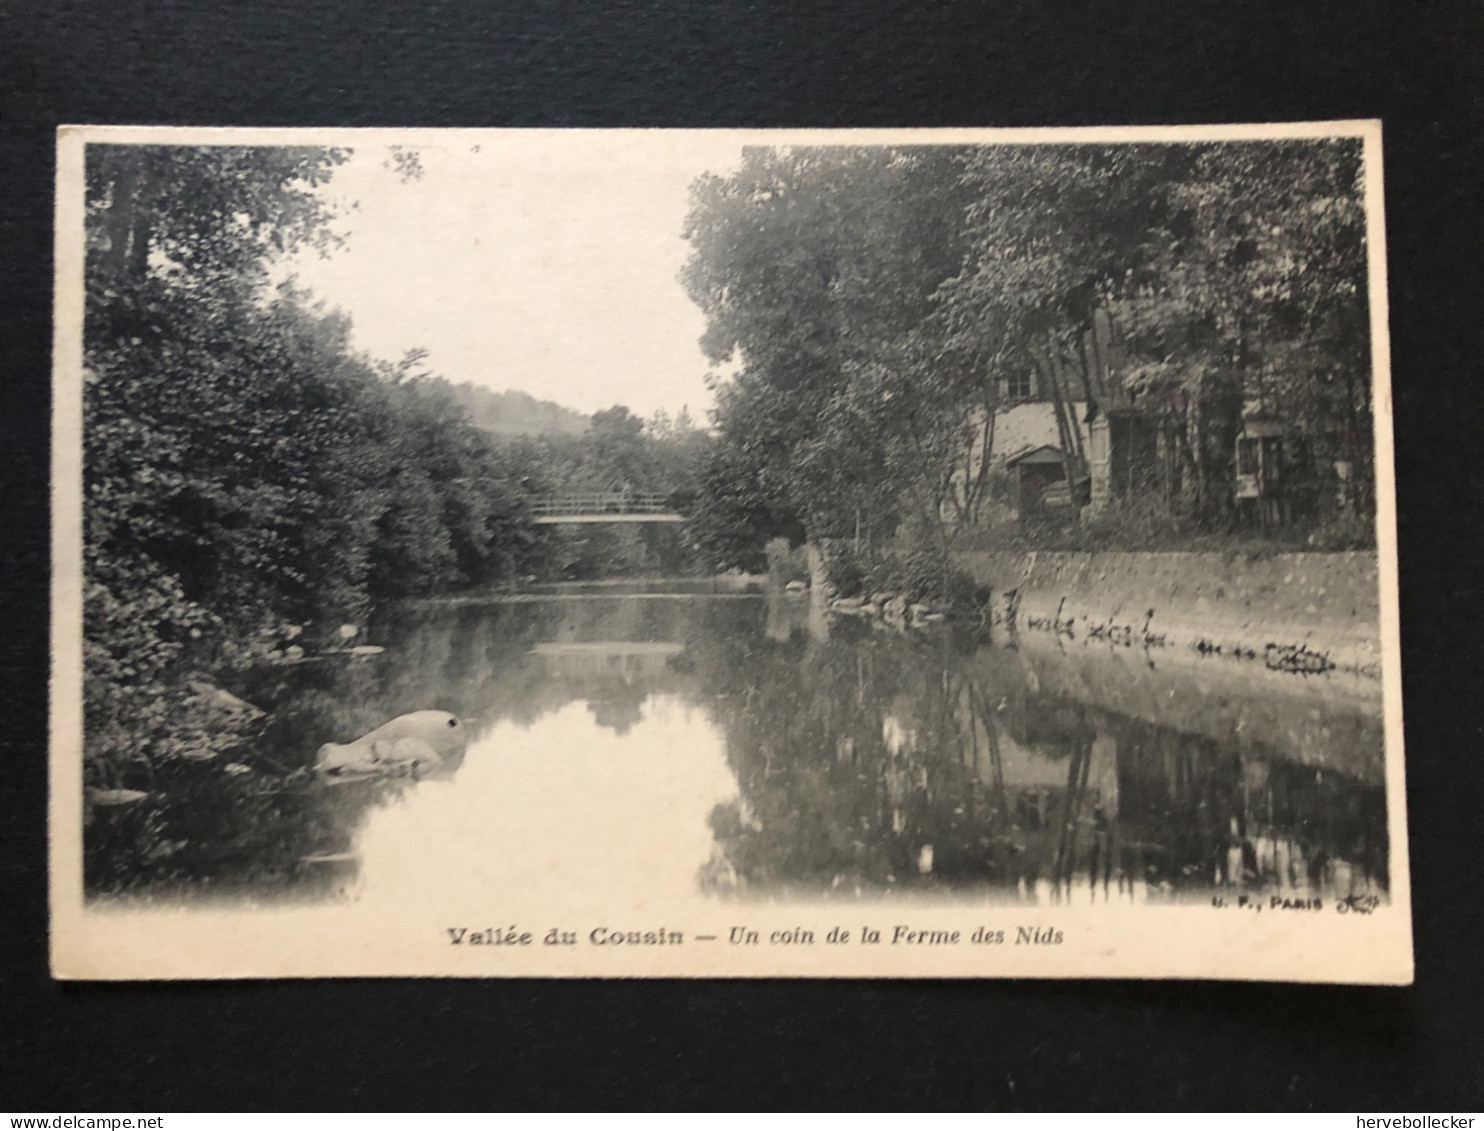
(846,573)
(1344,532)
(918,575)
(786,563)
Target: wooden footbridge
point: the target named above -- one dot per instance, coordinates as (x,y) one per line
(604,506)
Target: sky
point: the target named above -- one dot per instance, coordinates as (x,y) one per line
(545,262)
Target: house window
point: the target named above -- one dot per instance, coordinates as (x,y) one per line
(1246,456)
(1019,386)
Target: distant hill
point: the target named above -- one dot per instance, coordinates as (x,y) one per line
(514,413)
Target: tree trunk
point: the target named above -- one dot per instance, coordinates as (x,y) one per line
(127,222)
(1087,366)
(1099,359)
(1058,408)
(1192,428)
(1064,366)
(118,219)
(986,453)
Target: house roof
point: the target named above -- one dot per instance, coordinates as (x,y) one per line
(1042,453)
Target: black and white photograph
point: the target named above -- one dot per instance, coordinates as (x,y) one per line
(613,553)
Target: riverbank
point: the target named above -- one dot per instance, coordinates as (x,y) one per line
(1305,614)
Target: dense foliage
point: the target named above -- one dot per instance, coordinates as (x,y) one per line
(249,475)
(251,480)
(881,305)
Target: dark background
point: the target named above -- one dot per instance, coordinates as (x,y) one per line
(433,1044)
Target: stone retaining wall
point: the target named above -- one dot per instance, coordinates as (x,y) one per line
(1302,613)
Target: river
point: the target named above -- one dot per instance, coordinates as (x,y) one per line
(657,744)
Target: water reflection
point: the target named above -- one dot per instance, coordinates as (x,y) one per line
(617,814)
(749,747)
(871,761)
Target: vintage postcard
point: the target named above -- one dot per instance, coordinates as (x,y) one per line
(946,553)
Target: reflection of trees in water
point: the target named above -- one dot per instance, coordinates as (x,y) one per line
(865,760)
(874,760)
(619,712)
(280,828)
(850,760)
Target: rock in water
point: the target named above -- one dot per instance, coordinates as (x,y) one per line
(330,858)
(423,739)
(925,859)
(212,710)
(116,796)
(406,752)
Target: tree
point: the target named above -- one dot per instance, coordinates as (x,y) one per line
(244,468)
(183,532)
(1222,273)
(876,302)
(816,268)
(203,214)
(1263,268)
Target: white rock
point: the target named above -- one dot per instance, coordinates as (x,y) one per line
(116,796)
